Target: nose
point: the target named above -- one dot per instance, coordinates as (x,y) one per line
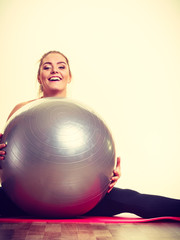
(54,70)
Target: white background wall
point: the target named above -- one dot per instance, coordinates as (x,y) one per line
(125,60)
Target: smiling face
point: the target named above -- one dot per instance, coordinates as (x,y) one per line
(54,75)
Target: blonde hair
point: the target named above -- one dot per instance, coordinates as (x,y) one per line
(41,61)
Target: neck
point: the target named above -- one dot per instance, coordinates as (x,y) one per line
(55,94)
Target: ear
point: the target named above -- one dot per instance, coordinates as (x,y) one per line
(39,80)
(69,80)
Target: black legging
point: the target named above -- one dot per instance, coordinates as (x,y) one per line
(143,205)
(116,202)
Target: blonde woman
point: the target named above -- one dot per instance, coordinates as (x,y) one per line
(54,75)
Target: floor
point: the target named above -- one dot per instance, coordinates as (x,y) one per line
(90,231)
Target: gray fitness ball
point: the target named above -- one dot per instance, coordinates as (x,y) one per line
(59,158)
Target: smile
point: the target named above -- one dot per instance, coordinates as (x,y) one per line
(55,78)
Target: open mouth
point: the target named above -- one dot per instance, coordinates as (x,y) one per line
(54,79)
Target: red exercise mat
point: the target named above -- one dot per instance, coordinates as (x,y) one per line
(91,220)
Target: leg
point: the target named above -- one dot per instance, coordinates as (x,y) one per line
(143,205)
(7,207)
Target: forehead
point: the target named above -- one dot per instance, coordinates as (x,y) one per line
(54,57)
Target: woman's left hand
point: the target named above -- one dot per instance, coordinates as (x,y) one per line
(116,175)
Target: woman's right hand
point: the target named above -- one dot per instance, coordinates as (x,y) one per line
(2,152)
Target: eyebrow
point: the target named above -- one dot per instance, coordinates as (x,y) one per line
(51,63)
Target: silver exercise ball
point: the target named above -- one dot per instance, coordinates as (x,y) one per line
(59,158)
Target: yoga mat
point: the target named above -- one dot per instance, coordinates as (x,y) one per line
(91,220)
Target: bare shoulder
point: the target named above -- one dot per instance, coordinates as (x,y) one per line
(18,106)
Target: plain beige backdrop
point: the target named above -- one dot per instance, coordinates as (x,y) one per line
(125,60)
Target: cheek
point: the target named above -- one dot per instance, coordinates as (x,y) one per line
(42,77)
(67,76)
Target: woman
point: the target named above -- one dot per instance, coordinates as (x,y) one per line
(54,75)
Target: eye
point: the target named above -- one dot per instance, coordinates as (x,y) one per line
(61,67)
(46,67)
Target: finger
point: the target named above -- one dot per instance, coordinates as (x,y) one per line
(116,172)
(2,152)
(115,179)
(3,145)
(110,187)
(115,176)
(109,190)
(1,158)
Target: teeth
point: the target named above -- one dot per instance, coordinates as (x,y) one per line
(54,79)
